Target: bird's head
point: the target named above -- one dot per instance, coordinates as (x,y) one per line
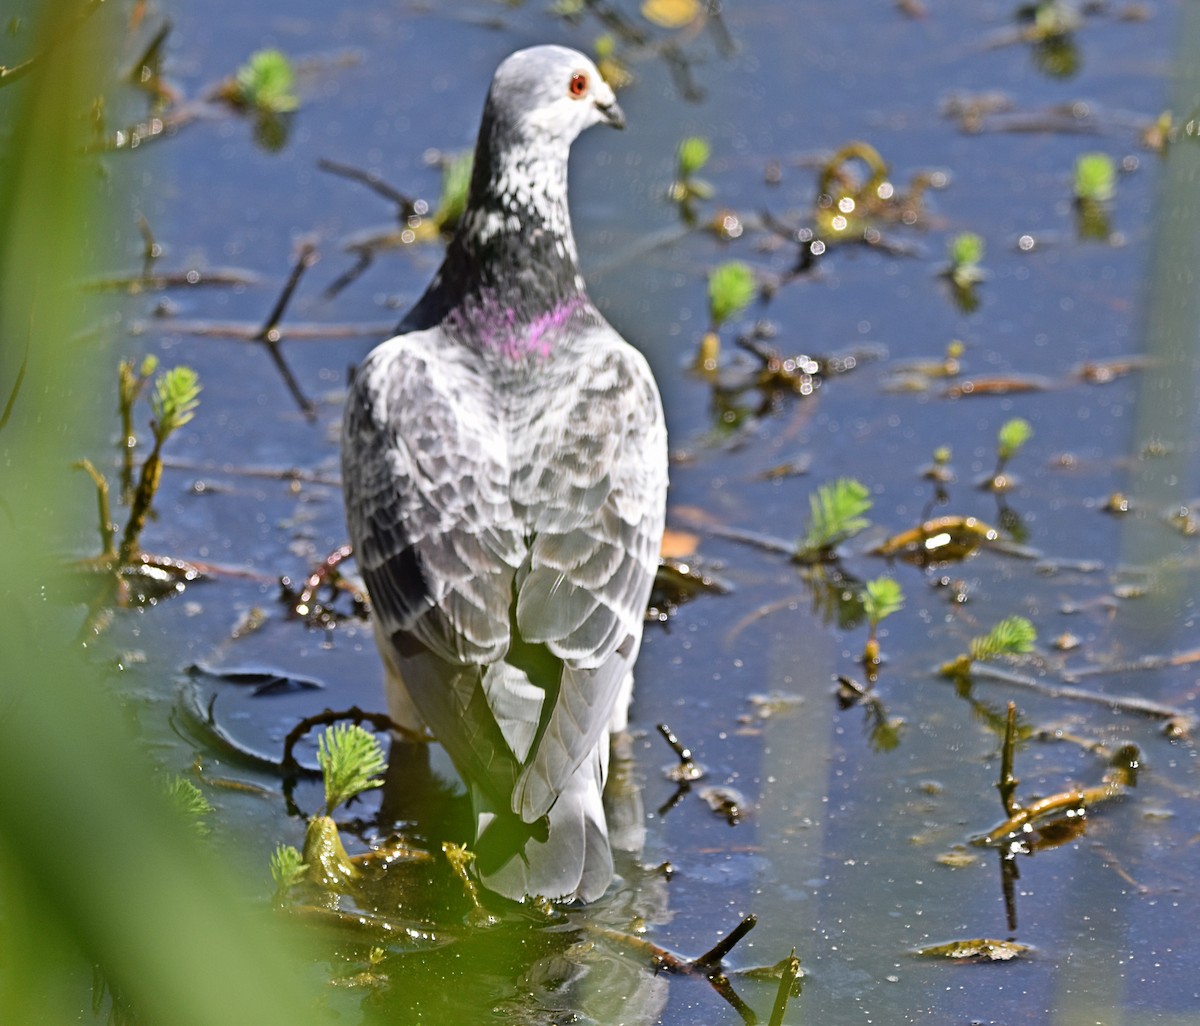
(551,92)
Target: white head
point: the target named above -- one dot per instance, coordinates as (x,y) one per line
(550,93)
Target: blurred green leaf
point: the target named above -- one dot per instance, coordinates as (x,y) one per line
(881,598)
(1095,177)
(265,83)
(731,288)
(694,152)
(1013,434)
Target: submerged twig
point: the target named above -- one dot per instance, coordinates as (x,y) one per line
(1179,720)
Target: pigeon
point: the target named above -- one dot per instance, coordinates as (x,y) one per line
(504,460)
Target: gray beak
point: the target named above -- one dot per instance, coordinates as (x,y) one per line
(612,114)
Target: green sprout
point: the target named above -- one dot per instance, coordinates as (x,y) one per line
(1013,434)
(174,402)
(351,759)
(693,154)
(287,866)
(966,253)
(1014,635)
(1095,178)
(190,801)
(880,599)
(836,514)
(1095,185)
(264,83)
(731,288)
(131,384)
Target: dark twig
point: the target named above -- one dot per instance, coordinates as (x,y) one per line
(663,960)
(710,961)
(1178,719)
(688,768)
(406,206)
(1007,784)
(270,336)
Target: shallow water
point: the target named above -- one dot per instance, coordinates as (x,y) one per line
(838,851)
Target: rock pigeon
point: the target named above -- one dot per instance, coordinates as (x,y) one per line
(504,460)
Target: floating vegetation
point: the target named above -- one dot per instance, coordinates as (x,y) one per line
(979,949)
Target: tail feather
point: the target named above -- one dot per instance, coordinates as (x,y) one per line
(565,855)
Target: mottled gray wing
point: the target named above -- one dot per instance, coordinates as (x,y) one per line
(590,472)
(425,473)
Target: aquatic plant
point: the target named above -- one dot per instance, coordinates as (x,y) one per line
(1095,178)
(456,183)
(691,157)
(287,868)
(174,402)
(881,597)
(966,252)
(264,83)
(731,288)
(190,801)
(1013,434)
(351,759)
(1014,635)
(836,513)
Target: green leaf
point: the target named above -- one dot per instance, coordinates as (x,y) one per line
(881,598)
(1012,435)
(1014,635)
(287,866)
(265,83)
(694,152)
(731,288)
(351,759)
(966,249)
(1095,177)
(176,396)
(836,513)
(456,183)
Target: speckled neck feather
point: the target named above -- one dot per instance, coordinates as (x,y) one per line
(510,275)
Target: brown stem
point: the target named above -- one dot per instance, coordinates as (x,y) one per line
(107,549)
(1007,784)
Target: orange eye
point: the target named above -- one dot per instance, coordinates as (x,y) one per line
(578,86)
